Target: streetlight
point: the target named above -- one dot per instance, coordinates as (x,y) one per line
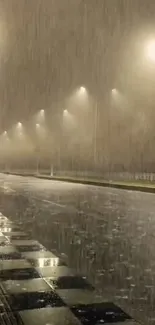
(41,137)
(5,145)
(80,99)
(40,117)
(5,137)
(82,90)
(150,50)
(114,91)
(42,112)
(68,119)
(19,132)
(19,126)
(65,112)
(37,149)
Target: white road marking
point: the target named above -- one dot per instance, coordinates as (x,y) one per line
(50,202)
(54,203)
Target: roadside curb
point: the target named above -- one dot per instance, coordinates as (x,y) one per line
(101,184)
(137,188)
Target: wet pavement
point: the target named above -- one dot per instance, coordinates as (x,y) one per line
(52,290)
(106,234)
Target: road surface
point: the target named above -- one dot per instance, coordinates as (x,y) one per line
(105,233)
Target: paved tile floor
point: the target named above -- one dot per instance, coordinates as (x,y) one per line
(38,288)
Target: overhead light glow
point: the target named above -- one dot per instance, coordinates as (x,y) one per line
(19,125)
(42,113)
(114,91)
(81,94)
(65,112)
(150,50)
(82,90)
(40,117)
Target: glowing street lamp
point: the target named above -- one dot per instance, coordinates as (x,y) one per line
(42,112)
(65,112)
(40,131)
(80,97)
(150,50)
(82,90)
(19,125)
(114,91)
(40,117)
(5,136)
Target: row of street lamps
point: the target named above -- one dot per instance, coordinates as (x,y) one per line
(81,92)
(69,116)
(80,95)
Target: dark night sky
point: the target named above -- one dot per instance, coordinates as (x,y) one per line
(47,48)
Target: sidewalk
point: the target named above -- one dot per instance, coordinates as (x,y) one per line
(125,185)
(142,186)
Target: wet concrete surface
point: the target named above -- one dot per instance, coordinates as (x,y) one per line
(106,234)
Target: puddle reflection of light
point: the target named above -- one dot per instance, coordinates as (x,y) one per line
(6,229)
(54,262)
(41,262)
(48,262)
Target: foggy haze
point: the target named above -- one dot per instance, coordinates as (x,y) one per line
(48,50)
(77,118)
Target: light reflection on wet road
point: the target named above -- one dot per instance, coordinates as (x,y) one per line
(107,234)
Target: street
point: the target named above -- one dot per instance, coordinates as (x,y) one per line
(104,233)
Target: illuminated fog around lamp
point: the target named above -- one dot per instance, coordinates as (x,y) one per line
(151,51)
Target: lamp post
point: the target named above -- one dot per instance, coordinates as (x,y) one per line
(95,132)
(37,151)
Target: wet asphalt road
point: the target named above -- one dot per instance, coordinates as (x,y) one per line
(107,234)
